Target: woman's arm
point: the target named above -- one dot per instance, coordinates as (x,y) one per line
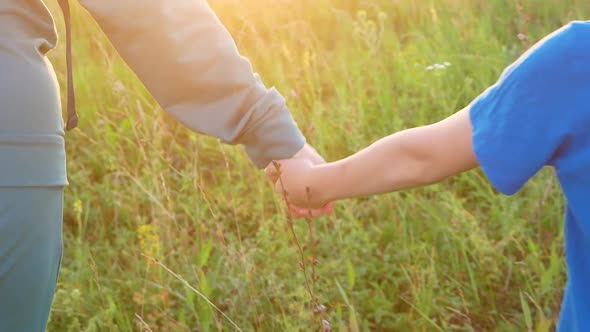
(407,159)
(188,61)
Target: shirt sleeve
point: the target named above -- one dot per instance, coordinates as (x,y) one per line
(190,64)
(525,120)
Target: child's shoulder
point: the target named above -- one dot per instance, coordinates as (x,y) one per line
(578,32)
(574,34)
(579,26)
(553,55)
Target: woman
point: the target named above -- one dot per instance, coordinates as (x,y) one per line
(185,58)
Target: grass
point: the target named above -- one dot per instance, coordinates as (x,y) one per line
(455,256)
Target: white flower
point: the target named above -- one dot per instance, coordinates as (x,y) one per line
(438,66)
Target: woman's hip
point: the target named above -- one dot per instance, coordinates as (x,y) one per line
(32,147)
(29,96)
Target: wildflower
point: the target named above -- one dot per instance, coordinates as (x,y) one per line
(149,240)
(320,309)
(438,66)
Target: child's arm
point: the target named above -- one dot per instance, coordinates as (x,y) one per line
(406,159)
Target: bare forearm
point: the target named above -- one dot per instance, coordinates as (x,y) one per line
(393,163)
(408,159)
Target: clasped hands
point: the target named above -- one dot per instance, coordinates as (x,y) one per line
(291,182)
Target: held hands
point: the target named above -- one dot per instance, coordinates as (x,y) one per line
(292,181)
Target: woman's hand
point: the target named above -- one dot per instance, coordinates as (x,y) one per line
(297,200)
(294,181)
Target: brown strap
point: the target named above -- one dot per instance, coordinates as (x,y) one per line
(72,116)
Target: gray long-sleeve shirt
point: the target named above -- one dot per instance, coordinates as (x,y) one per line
(178,49)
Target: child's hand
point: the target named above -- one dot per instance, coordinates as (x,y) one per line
(293,180)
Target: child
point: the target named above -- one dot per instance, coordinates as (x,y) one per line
(537,114)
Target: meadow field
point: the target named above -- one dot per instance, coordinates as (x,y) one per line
(455,256)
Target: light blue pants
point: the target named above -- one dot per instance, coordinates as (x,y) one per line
(30,254)
(32,167)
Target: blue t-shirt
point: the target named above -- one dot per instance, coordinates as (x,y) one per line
(538,114)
